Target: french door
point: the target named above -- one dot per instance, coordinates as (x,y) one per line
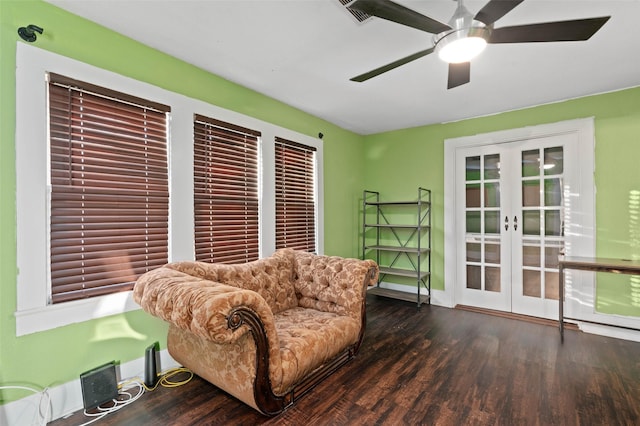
(510,223)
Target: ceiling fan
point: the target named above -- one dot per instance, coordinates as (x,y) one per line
(465,35)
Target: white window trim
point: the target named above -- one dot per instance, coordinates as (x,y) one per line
(33,314)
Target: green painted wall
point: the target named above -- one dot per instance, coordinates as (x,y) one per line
(60,355)
(400,161)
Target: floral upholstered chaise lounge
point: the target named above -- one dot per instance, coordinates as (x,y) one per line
(266,331)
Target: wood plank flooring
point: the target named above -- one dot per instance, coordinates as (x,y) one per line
(436,366)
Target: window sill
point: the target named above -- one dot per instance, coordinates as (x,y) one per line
(54,316)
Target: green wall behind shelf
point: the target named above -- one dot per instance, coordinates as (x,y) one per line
(397,162)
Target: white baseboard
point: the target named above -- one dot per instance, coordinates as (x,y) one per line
(438,297)
(67,398)
(610,331)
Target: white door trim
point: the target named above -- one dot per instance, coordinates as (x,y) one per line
(585,130)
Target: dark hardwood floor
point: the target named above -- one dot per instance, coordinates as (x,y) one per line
(436,366)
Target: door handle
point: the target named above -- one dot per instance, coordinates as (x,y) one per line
(515,223)
(506,223)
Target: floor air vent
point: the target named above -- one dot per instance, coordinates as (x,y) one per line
(360,16)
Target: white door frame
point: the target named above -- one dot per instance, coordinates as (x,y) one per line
(582,202)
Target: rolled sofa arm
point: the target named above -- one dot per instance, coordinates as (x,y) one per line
(332,283)
(202,307)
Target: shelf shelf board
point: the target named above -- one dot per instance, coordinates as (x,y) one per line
(398,295)
(387,225)
(400,249)
(396,203)
(403,272)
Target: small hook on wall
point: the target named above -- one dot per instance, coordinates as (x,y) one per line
(28,33)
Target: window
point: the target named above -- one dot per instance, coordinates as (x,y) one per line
(35,311)
(225,171)
(295,195)
(109,189)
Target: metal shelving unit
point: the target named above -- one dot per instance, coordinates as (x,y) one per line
(403,242)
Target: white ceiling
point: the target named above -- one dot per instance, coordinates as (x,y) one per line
(303,53)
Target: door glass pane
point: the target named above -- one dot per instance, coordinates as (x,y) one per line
(531,163)
(473,277)
(491,222)
(552,223)
(551,284)
(473,252)
(492,194)
(473,222)
(531,255)
(551,257)
(492,253)
(531,193)
(473,195)
(531,285)
(492,279)
(552,192)
(531,219)
(492,166)
(553,161)
(473,168)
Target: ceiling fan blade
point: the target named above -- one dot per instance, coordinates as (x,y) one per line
(575,30)
(386,9)
(495,10)
(459,74)
(392,65)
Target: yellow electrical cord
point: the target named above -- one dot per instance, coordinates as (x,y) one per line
(164,379)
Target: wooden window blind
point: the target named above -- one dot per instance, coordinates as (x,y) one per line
(295,196)
(109,189)
(225,191)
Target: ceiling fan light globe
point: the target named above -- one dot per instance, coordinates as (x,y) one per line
(460,50)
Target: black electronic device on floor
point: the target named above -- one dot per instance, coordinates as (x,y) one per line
(99,385)
(151,365)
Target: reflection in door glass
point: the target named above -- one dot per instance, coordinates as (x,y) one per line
(473,168)
(492,279)
(473,252)
(531,219)
(531,193)
(552,223)
(473,222)
(492,194)
(473,195)
(491,222)
(531,285)
(553,161)
(551,284)
(492,166)
(531,163)
(531,255)
(492,252)
(474,279)
(551,257)
(552,192)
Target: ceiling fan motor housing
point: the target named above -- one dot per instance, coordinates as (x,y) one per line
(466,39)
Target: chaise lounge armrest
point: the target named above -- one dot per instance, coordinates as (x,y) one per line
(205,308)
(333,284)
